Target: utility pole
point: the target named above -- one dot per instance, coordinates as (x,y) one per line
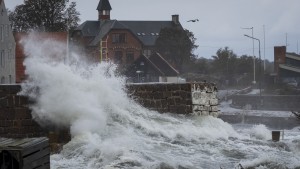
(297,48)
(260,80)
(264,49)
(254,81)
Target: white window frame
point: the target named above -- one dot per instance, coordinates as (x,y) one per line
(2,58)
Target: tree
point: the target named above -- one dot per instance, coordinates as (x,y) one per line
(44,15)
(176,45)
(244,64)
(224,63)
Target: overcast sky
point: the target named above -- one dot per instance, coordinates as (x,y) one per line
(220,21)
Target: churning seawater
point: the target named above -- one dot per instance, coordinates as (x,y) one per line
(109,130)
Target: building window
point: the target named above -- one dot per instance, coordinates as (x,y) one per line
(147,52)
(119,38)
(2,59)
(7,30)
(1,33)
(10,54)
(2,80)
(105,12)
(129,57)
(10,79)
(118,57)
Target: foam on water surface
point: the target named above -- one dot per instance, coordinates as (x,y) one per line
(109,130)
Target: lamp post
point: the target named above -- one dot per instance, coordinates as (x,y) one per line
(138,72)
(259,65)
(254,81)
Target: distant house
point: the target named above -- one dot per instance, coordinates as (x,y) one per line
(152,69)
(7,48)
(122,42)
(39,36)
(286,65)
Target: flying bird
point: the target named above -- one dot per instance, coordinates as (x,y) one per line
(194,20)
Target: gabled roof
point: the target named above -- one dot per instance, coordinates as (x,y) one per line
(163,65)
(290,68)
(102,28)
(146,31)
(155,62)
(103,5)
(293,54)
(89,28)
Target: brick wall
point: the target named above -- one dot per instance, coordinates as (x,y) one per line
(183,98)
(16,119)
(279,57)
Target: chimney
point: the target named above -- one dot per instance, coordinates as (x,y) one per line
(175,19)
(279,56)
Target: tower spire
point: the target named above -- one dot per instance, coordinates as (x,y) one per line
(104,9)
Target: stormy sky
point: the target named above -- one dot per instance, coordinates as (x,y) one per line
(220,21)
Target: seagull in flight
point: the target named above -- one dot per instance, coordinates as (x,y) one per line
(194,20)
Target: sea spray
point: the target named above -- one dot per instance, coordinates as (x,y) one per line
(109,130)
(261,132)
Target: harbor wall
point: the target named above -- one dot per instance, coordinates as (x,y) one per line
(178,98)
(16,120)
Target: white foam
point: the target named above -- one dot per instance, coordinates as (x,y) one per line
(109,130)
(261,132)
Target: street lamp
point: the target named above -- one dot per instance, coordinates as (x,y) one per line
(252,55)
(259,65)
(138,72)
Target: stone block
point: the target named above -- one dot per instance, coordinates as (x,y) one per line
(14,89)
(23,113)
(17,123)
(189,102)
(170,101)
(173,87)
(158,104)
(178,100)
(175,93)
(167,94)
(27,122)
(10,101)
(158,95)
(204,113)
(181,109)
(213,108)
(213,102)
(182,94)
(186,87)
(3,102)
(164,104)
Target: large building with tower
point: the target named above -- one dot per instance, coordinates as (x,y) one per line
(122,42)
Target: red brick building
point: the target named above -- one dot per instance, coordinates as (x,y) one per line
(119,41)
(20,55)
(286,65)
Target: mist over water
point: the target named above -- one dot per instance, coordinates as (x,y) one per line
(109,130)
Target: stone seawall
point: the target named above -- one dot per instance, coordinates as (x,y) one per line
(15,116)
(16,119)
(182,98)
